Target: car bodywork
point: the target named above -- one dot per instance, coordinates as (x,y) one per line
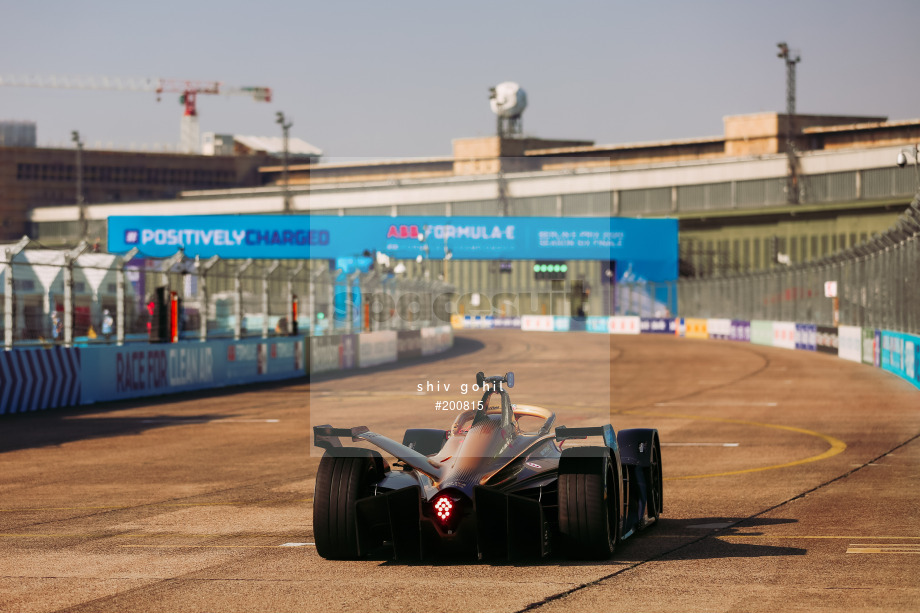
(486,486)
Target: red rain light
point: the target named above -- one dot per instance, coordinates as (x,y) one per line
(443,506)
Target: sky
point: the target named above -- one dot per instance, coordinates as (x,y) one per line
(401,79)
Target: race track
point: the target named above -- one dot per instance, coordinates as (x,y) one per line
(791,485)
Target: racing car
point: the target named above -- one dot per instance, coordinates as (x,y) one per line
(490,486)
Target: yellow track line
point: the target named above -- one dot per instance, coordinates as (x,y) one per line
(836,446)
(816,537)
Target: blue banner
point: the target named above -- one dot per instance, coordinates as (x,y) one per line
(649,244)
(806,337)
(900,354)
(664,326)
(597,324)
(111,372)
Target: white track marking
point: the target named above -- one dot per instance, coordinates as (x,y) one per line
(197,421)
(717,404)
(711,445)
(296,544)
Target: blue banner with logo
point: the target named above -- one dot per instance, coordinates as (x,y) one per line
(650,244)
(900,354)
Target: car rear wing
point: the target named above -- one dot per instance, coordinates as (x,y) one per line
(605,431)
(327,437)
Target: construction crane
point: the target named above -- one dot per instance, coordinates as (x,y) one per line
(189,134)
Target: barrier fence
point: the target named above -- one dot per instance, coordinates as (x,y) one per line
(80,297)
(876,284)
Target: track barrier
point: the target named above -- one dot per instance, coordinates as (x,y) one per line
(45,378)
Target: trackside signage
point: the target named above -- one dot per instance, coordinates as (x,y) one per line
(649,244)
(112,372)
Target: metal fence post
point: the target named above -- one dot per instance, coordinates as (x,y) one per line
(8,298)
(70,258)
(265,306)
(312,298)
(291,316)
(120,295)
(204,303)
(238,292)
(350,301)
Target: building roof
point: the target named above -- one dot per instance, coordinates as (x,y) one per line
(359,164)
(274,145)
(881,123)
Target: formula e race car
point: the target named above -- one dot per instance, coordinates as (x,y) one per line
(486,487)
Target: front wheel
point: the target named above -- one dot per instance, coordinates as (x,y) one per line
(589,511)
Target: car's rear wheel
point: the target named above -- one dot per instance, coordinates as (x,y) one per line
(655,493)
(344,476)
(589,511)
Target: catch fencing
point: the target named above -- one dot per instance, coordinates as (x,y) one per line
(81,297)
(877,285)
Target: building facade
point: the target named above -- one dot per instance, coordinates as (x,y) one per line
(730,193)
(32,177)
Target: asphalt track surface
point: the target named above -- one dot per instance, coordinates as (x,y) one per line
(791,485)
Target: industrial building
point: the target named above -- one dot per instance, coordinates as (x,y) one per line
(32,177)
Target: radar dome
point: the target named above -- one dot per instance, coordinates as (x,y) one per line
(508,99)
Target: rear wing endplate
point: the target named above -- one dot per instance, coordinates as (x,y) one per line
(605,431)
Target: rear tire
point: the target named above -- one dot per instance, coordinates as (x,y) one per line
(655,493)
(344,476)
(589,512)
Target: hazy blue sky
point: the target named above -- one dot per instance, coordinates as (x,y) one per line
(385,79)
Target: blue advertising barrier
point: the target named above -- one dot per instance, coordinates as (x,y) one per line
(646,246)
(740,331)
(901,355)
(562,324)
(597,324)
(658,325)
(122,372)
(39,378)
(806,337)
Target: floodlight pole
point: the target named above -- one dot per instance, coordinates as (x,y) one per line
(84,228)
(285,130)
(792,180)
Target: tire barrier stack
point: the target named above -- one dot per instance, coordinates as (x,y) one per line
(893,351)
(38,378)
